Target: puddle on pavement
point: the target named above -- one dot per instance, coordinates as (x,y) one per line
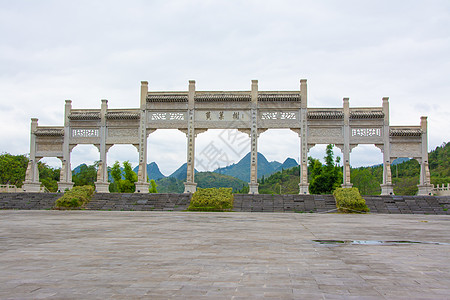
(362,242)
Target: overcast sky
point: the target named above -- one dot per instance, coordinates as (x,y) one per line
(92,50)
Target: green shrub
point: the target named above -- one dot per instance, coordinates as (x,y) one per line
(212,199)
(349,200)
(77,197)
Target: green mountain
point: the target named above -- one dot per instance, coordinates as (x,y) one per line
(203,180)
(181,172)
(241,170)
(405,176)
(153,171)
(211,179)
(288,163)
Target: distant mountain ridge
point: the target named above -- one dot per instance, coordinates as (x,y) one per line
(241,169)
(153,171)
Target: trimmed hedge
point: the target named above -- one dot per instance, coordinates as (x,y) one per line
(349,200)
(77,197)
(212,199)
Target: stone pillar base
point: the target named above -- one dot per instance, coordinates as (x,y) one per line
(253,188)
(303,188)
(142,187)
(190,187)
(387,189)
(102,187)
(347,186)
(425,190)
(63,186)
(32,187)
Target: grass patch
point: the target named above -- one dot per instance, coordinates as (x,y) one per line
(212,199)
(75,198)
(349,200)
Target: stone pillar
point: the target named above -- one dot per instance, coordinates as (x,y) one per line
(425,186)
(253,184)
(303,185)
(387,188)
(142,184)
(32,183)
(102,184)
(346,152)
(190,186)
(65,180)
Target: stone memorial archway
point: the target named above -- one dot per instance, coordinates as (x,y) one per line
(251,112)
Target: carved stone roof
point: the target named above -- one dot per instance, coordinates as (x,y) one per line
(374,114)
(120,115)
(222,97)
(84,116)
(49,132)
(325,115)
(167,98)
(406,132)
(279,97)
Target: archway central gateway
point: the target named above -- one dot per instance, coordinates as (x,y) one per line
(251,112)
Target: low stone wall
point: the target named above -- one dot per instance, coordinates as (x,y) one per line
(242,203)
(28,200)
(113,201)
(409,204)
(283,203)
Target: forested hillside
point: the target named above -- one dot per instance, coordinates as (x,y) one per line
(405,175)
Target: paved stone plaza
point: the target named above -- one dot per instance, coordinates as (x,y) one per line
(161,255)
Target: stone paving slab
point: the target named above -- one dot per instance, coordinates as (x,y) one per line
(179,255)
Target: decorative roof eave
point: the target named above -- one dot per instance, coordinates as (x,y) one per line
(85,116)
(223,97)
(49,132)
(405,132)
(279,97)
(325,115)
(122,116)
(167,98)
(375,114)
